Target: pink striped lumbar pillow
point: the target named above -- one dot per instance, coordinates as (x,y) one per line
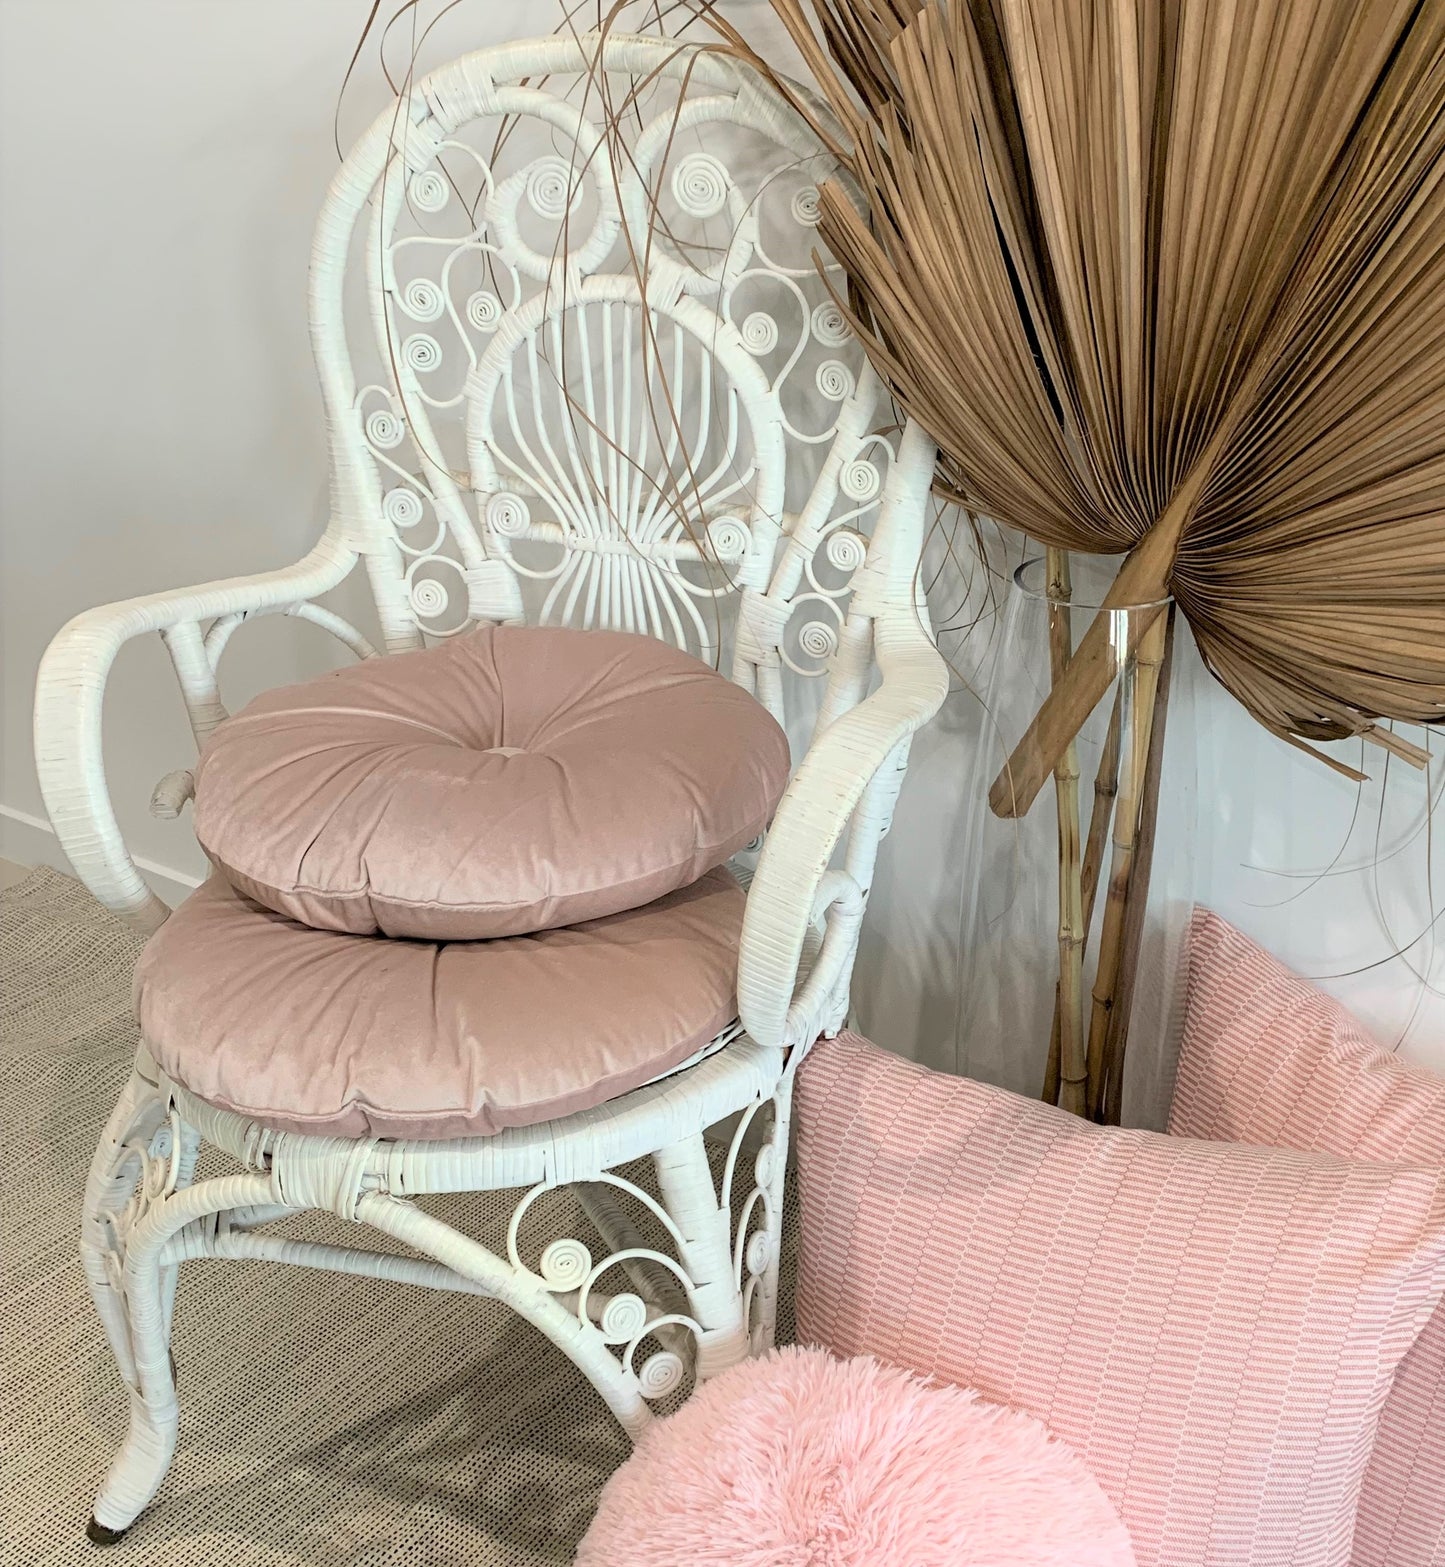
(1213,1328)
(1267,1058)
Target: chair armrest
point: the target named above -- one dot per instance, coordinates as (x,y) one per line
(70,693)
(860,753)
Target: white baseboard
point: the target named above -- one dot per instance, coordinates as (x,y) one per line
(31,840)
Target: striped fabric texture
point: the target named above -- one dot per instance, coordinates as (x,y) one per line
(1214,1328)
(1267,1058)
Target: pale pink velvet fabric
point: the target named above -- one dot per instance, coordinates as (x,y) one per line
(1213,1328)
(510,780)
(800,1460)
(1268,1058)
(317,1031)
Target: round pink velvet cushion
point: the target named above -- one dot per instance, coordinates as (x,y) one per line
(333,1035)
(800,1460)
(512,780)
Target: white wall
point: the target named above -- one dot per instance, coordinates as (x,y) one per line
(160,165)
(158,418)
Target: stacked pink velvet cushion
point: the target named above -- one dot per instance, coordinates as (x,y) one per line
(512,780)
(1267,1058)
(540,816)
(355,1036)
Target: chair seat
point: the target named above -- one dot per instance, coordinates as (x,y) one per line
(352,1036)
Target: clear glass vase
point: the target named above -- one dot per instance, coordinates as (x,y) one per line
(1055,932)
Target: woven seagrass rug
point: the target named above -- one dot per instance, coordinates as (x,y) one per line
(326,1421)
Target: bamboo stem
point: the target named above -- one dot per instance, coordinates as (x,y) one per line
(1106,787)
(1143,676)
(1050,1091)
(1069,1011)
(1138,592)
(1117,1041)
(1106,790)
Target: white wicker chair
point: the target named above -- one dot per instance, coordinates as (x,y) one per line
(738,529)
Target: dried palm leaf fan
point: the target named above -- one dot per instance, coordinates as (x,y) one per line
(1167,277)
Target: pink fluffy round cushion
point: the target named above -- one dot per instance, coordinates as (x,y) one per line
(512,780)
(800,1460)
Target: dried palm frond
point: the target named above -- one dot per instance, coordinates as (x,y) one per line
(1166,278)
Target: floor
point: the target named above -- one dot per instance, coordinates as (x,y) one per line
(326,1421)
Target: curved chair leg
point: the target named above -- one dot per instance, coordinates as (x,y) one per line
(705,1232)
(184,1175)
(773,1184)
(143,1293)
(112,1203)
(140,1199)
(579,1341)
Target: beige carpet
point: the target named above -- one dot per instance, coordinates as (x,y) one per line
(325,1420)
